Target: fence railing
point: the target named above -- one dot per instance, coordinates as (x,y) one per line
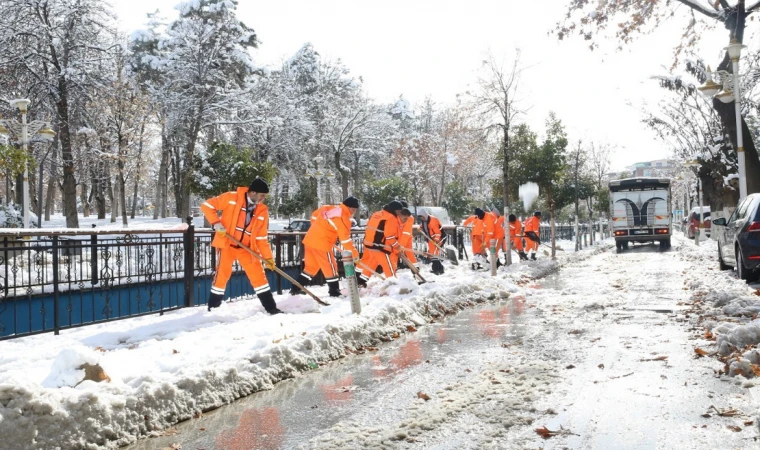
(50,281)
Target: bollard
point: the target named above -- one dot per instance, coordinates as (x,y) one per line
(353,287)
(493,257)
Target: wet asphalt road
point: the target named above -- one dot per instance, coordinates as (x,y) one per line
(609,329)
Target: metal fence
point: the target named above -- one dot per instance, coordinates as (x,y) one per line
(50,281)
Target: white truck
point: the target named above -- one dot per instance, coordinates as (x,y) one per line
(640,211)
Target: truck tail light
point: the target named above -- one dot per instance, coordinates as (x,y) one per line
(661,230)
(621,233)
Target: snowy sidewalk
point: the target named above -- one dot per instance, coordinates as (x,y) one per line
(165,369)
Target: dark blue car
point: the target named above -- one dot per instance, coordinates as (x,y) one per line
(739,239)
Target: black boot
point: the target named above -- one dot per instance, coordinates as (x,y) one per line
(523,256)
(498,263)
(437,267)
(361,282)
(214,300)
(533,256)
(303,281)
(267,301)
(334,289)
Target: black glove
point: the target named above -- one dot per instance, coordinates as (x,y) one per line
(533,236)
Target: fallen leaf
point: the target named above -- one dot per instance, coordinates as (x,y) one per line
(467,370)
(410,329)
(748,423)
(601,366)
(700,352)
(174,352)
(395,335)
(659,358)
(546,433)
(570,367)
(756,369)
(100,349)
(734,428)
(423,396)
(202,428)
(709,335)
(595,339)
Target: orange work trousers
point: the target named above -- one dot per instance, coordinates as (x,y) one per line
(373,258)
(477,245)
(517,244)
(530,244)
(251,265)
(315,260)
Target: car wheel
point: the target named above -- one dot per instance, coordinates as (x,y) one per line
(721,264)
(741,271)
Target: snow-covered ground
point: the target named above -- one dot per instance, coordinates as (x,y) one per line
(160,370)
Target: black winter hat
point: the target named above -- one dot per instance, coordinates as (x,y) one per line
(537,213)
(480,213)
(404,204)
(351,202)
(406,212)
(512,217)
(259,185)
(393,206)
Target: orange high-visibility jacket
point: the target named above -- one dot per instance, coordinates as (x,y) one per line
(532,224)
(432,228)
(478,227)
(388,227)
(328,224)
(514,228)
(489,223)
(232,204)
(498,226)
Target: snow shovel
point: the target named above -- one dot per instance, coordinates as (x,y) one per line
(409,264)
(276,269)
(451,255)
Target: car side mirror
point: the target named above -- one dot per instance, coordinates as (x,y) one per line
(721,222)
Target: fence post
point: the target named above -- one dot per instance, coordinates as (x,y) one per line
(353,287)
(56,308)
(278,261)
(188,243)
(94,258)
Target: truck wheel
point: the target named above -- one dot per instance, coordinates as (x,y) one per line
(665,244)
(618,247)
(625,245)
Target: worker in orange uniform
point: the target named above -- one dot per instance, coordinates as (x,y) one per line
(431,226)
(498,231)
(330,224)
(246,218)
(515,235)
(533,234)
(405,236)
(477,233)
(380,241)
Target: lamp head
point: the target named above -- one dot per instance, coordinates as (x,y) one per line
(725,96)
(21,104)
(734,49)
(46,133)
(710,87)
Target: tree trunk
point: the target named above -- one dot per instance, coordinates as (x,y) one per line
(138,167)
(52,183)
(163,172)
(186,174)
(67,157)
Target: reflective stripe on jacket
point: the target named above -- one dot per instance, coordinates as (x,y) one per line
(387,226)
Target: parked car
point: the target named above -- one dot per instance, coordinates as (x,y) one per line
(301,225)
(739,239)
(692,222)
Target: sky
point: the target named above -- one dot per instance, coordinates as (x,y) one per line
(432,48)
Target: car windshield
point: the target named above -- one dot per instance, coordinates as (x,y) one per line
(299,226)
(705,215)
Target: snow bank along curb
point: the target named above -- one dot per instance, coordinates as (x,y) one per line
(92,415)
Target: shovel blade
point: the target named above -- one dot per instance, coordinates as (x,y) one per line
(451,255)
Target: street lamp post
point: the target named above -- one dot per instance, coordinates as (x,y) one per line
(319,174)
(23,130)
(731,93)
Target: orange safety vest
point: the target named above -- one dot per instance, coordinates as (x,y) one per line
(329,224)
(233,207)
(478,228)
(532,224)
(498,231)
(406,233)
(387,235)
(432,228)
(514,228)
